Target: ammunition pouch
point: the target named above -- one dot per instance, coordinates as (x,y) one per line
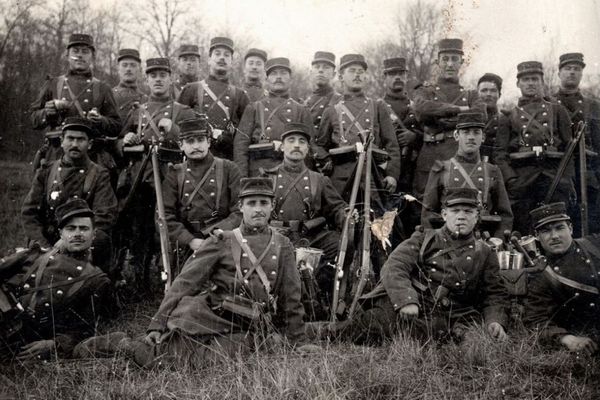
(312,225)
(167,155)
(248,310)
(515,281)
(527,153)
(264,151)
(286,227)
(348,154)
(431,137)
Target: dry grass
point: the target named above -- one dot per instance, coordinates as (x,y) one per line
(402,369)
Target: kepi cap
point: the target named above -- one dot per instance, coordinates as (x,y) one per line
(278,62)
(188,50)
(80,125)
(529,67)
(394,64)
(349,59)
(470,119)
(464,196)
(490,77)
(256,53)
(221,41)
(256,187)
(71,209)
(81,39)
(571,58)
(129,53)
(325,57)
(297,128)
(153,64)
(194,127)
(548,213)
(450,46)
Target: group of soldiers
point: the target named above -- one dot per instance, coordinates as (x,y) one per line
(240,183)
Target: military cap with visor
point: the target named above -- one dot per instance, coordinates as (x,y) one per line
(194,127)
(548,213)
(571,58)
(188,50)
(529,67)
(79,124)
(81,39)
(129,53)
(297,128)
(256,53)
(450,46)
(324,57)
(461,196)
(394,64)
(349,59)
(470,120)
(278,62)
(153,64)
(256,187)
(490,77)
(72,209)
(221,41)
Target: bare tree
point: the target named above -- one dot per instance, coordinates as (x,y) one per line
(14,11)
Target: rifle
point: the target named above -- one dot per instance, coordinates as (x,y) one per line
(564,162)
(162,223)
(583,185)
(348,223)
(365,265)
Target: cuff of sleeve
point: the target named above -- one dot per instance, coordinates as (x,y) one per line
(408,297)
(185,238)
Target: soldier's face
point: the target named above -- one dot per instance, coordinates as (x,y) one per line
(395,81)
(321,73)
(196,147)
(449,64)
(219,61)
(531,85)
(80,58)
(129,70)
(469,139)
(354,77)
(159,82)
(189,65)
(555,237)
(570,75)
(78,234)
(279,79)
(460,219)
(256,210)
(295,147)
(488,92)
(75,144)
(254,68)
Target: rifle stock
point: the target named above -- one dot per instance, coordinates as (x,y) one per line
(583,185)
(162,223)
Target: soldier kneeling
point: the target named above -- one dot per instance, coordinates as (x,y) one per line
(51,300)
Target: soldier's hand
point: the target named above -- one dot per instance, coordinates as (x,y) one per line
(390,184)
(408,312)
(497,331)
(50,108)
(327,168)
(131,138)
(153,338)
(579,344)
(40,349)
(165,124)
(406,138)
(196,243)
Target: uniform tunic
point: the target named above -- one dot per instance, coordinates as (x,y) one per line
(489,147)
(318,101)
(255,91)
(262,123)
(125,96)
(66,310)
(179,83)
(557,308)
(534,122)
(463,270)
(447,174)
(369,115)
(229,97)
(437,107)
(196,219)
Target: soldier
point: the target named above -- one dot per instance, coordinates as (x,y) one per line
(467,169)
(154,122)
(563,301)
(531,142)
(441,280)
(51,300)
(408,130)
(77,93)
(305,203)
(489,88)
(322,72)
(256,145)
(254,74)
(583,108)
(256,291)
(201,194)
(350,121)
(73,176)
(437,106)
(188,68)
(216,97)
(127,92)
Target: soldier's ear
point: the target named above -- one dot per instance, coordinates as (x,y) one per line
(444,214)
(455,134)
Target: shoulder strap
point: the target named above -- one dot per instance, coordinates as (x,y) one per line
(180,171)
(287,192)
(200,94)
(261,117)
(199,185)
(429,236)
(90,180)
(52,176)
(60,84)
(486,184)
(220,178)
(255,261)
(463,172)
(313,177)
(95,90)
(569,282)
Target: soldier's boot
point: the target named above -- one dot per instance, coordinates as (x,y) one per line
(104,346)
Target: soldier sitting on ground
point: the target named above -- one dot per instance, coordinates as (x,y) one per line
(563,301)
(50,300)
(437,283)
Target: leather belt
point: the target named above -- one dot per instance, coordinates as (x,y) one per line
(293,225)
(434,138)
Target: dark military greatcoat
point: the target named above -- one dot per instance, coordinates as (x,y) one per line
(126,96)
(489,147)
(263,123)
(255,91)
(224,105)
(318,101)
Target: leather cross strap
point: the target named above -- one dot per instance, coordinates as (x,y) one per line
(203,87)
(63,81)
(199,185)
(342,109)
(261,113)
(253,260)
(466,176)
(288,191)
(571,283)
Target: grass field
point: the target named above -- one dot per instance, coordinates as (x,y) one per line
(403,369)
